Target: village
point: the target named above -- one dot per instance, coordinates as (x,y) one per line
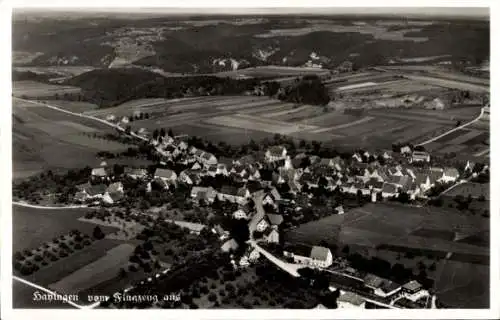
(272,190)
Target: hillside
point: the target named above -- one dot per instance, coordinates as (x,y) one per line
(109,87)
(210,45)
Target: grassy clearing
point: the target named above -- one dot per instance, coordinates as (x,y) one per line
(73,106)
(476,190)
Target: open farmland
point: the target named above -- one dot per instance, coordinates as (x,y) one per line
(273,71)
(476,190)
(33,89)
(49,223)
(73,106)
(401,221)
(45,138)
(96,272)
(407,235)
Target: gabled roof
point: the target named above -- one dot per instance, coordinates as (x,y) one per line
(319,253)
(94,190)
(199,152)
(242,192)
(99,172)
(276,151)
(373,281)
(389,188)
(412,286)
(388,286)
(212,168)
(115,187)
(135,172)
(451,172)
(164,173)
(229,190)
(275,219)
(207,156)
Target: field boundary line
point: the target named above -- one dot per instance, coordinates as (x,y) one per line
(36,286)
(345,125)
(454,129)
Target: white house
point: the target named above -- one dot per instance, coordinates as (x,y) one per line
(316,257)
(420,156)
(239,214)
(381,287)
(405,150)
(389,190)
(167,175)
(276,153)
(262,225)
(201,193)
(208,159)
(271,235)
(449,175)
(414,291)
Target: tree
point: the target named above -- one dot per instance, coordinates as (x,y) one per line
(345,250)
(122,273)
(162,132)
(170,133)
(97,233)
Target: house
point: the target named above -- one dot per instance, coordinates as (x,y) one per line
(192,150)
(136,173)
(349,300)
(399,181)
(114,193)
(239,214)
(389,190)
(90,192)
(230,245)
(357,157)
(183,146)
(423,181)
(233,194)
(414,291)
(271,235)
(190,177)
(449,175)
(110,117)
(317,257)
(420,156)
(346,66)
(275,219)
(381,287)
(206,194)
(339,209)
(223,234)
(167,175)
(262,225)
(99,174)
(196,166)
(271,197)
(254,255)
(253,173)
(208,159)
(125,120)
(276,153)
(405,150)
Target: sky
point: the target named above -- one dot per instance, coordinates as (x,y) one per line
(474,12)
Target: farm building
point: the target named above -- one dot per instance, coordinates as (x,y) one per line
(435,104)
(136,173)
(230,245)
(89,192)
(114,193)
(208,159)
(271,235)
(239,214)
(234,194)
(414,291)
(276,153)
(449,175)
(316,256)
(420,156)
(206,194)
(99,174)
(389,190)
(381,287)
(166,175)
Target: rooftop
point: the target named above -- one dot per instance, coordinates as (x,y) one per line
(352,298)
(319,253)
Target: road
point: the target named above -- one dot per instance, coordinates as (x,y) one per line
(291,268)
(453,130)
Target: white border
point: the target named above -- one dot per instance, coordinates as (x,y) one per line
(5,153)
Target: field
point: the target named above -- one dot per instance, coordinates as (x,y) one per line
(45,138)
(73,106)
(34,89)
(470,188)
(49,224)
(96,272)
(393,231)
(470,142)
(392,224)
(273,71)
